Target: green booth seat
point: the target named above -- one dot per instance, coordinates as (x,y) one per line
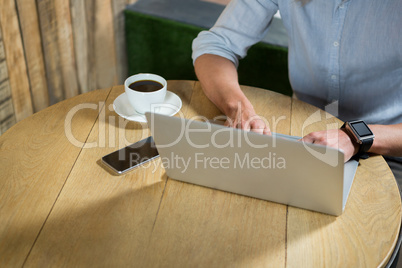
(159,34)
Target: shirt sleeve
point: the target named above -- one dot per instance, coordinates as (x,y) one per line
(242,24)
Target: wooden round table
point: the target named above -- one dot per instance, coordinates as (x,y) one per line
(60,207)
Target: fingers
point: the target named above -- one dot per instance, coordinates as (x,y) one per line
(267,131)
(334,138)
(254,124)
(234,123)
(316,138)
(258,126)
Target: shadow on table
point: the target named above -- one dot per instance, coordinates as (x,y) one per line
(88,232)
(117,231)
(206,227)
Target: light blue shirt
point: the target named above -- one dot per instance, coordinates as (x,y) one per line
(346,51)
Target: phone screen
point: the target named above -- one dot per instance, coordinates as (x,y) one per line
(131,156)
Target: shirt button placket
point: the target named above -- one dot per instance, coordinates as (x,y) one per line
(334,66)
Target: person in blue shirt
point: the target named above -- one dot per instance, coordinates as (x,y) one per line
(347,52)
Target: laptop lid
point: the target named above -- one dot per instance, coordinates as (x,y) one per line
(266,167)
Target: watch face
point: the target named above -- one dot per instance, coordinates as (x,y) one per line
(361,129)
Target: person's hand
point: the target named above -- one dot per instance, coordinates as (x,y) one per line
(246,118)
(336,138)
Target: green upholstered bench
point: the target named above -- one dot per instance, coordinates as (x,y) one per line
(159,34)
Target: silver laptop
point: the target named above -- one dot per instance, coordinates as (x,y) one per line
(277,168)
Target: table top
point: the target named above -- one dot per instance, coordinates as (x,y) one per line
(60,206)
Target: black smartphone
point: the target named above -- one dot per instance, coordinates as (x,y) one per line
(131,156)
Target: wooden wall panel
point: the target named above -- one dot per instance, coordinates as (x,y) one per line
(3,70)
(55,24)
(5,92)
(66,48)
(15,60)
(81,44)
(33,51)
(56,49)
(104,46)
(7,115)
(94,25)
(118,7)
(48,27)
(2,53)
(90,6)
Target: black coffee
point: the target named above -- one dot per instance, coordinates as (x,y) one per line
(145,86)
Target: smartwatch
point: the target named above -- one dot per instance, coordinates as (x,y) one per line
(361,134)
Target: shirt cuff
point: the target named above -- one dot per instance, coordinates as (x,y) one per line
(207,43)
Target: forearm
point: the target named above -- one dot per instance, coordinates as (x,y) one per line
(219,80)
(388,139)
(218,77)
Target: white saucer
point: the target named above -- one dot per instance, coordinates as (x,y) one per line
(169,107)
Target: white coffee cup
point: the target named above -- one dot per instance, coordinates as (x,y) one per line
(145,101)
